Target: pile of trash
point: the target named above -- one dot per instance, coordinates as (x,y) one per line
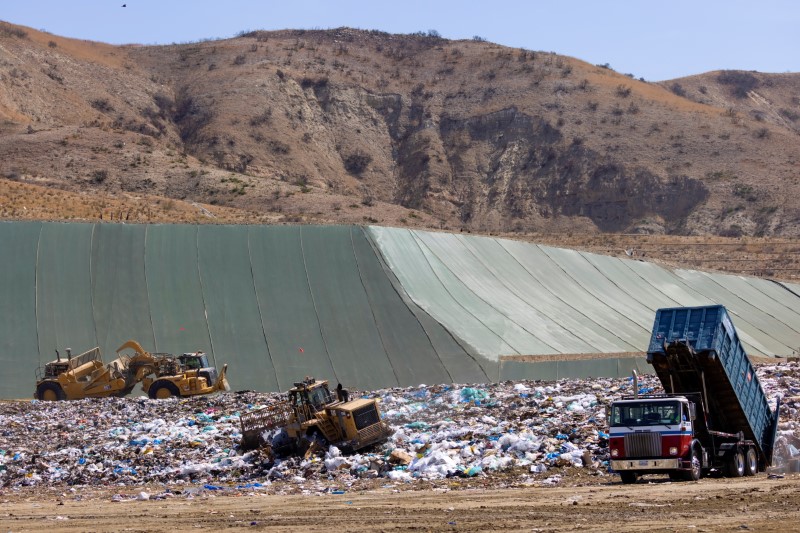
(783,380)
(529,431)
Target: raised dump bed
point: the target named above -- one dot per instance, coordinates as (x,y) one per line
(697,350)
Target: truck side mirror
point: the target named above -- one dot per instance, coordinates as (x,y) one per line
(608,414)
(692,412)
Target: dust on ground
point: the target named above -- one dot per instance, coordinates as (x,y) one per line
(761,503)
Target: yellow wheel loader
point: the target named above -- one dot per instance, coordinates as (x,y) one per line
(87,376)
(189,374)
(311,414)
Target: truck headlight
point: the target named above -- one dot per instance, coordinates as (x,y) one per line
(614,452)
(673,450)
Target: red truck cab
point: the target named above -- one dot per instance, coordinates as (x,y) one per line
(651,434)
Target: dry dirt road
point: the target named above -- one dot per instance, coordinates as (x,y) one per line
(746,504)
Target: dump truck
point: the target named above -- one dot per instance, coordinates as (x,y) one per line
(714,414)
(162,375)
(311,414)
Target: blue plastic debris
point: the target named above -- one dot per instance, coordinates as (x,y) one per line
(250,486)
(469,394)
(473,470)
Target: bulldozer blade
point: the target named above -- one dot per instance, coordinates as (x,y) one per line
(314,447)
(222,382)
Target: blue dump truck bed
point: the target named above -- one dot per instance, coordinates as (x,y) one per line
(695,346)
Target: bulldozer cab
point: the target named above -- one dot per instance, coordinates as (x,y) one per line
(309,397)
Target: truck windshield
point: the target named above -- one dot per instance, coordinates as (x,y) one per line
(646,413)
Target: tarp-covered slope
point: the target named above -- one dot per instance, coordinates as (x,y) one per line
(369,308)
(510,298)
(275,303)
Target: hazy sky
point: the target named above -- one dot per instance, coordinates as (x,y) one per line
(655,40)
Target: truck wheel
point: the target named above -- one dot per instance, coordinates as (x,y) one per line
(734,467)
(697,468)
(50,391)
(163,389)
(628,477)
(750,462)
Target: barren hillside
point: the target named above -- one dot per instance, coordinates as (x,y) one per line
(365,127)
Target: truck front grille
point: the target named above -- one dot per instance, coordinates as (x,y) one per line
(366,416)
(643,445)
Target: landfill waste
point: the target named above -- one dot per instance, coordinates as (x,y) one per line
(528,432)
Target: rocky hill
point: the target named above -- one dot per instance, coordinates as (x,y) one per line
(360,126)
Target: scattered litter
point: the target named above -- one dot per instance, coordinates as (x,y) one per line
(536,430)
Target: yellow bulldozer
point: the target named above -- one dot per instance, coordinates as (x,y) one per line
(161,375)
(311,415)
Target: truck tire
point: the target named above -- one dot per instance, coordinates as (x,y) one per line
(734,466)
(163,389)
(628,477)
(696,470)
(750,462)
(50,391)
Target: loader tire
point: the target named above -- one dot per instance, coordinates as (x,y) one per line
(628,477)
(163,389)
(50,392)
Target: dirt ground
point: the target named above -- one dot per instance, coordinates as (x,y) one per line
(761,503)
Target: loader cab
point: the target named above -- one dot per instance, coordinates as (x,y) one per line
(199,361)
(194,360)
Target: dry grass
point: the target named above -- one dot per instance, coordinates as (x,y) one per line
(260,128)
(22,201)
